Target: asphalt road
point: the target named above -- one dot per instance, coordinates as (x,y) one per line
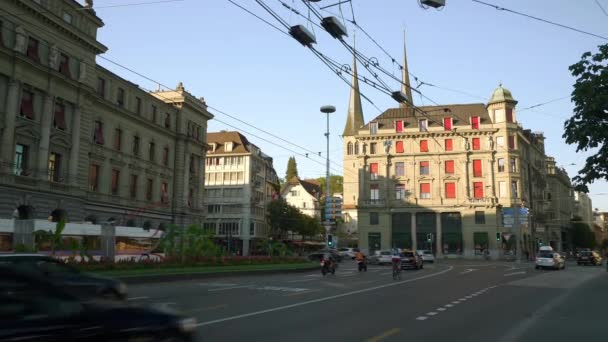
(447,301)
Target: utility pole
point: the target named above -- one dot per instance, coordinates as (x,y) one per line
(518,233)
(327,110)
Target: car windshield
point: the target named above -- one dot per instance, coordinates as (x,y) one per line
(545,255)
(385,253)
(407,254)
(586,254)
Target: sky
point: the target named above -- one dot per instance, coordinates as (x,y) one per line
(254,73)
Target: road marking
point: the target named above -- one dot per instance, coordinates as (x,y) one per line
(299,293)
(279,288)
(137,298)
(455,302)
(469,297)
(441,309)
(384,335)
(462,299)
(469,270)
(207,308)
(216,284)
(301,280)
(347,275)
(448,305)
(432,313)
(421,318)
(324,299)
(314,275)
(514,273)
(229,288)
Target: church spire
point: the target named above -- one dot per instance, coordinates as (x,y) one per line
(405,76)
(354,120)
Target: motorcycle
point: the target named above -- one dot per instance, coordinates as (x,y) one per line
(362,265)
(327,266)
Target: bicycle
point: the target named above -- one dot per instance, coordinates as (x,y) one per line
(396,270)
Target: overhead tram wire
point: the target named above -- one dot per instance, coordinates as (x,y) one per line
(132,4)
(601,7)
(260,18)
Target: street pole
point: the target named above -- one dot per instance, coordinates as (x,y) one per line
(327,110)
(518,234)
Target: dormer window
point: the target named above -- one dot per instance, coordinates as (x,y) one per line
(213,146)
(228,146)
(475,122)
(399,126)
(373,128)
(424,125)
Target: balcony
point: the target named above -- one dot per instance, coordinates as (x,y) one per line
(482,200)
(373,202)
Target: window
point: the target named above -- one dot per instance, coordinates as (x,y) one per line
(475,122)
(166,156)
(120,97)
(94,177)
(154,111)
(349,148)
(501,164)
(373,170)
(424,145)
(399,147)
(54,167)
(514,193)
(167,120)
(149,187)
(374,193)
(512,164)
(373,128)
(476,144)
(21,159)
(500,141)
(64,65)
(449,145)
(138,105)
(59,117)
(477,172)
(101,87)
(136,146)
(511,142)
(117,139)
(67,17)
(164,193)
(192,167)
(400,191)
(399,126)
(509,115)
(374,218)
(115,182)
(450,190)
(151,151)
(449,166)
(423,125)
(373,148)
(399,169)
(294,193)
(356,148)
(424,168)
(27,105)
(98,133)
(133,186)
(425,190)
(480,217)
(502,189)
(478,190)
(364,148)
(32,49)
(447,124)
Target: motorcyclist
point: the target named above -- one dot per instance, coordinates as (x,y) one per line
(329,260)
(360,256)
(361,262)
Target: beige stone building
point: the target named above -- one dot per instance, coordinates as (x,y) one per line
(77,139)
(559,200)
(303,194)
(441,177)
(240,181)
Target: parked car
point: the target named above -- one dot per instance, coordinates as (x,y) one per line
(411,259)
(589,258)
(547,258)
(59,273)
(34,309)
(347,252)
(381,257)
(426,255)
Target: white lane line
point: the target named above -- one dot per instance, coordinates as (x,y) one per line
(324,299)
(216,284)
(299,293)
(301,280)
(441,309)
(229,288)
(347,275)
(421,318)
(313,275)
(514,273)
(432,313)
(448,305)
(456,302)
(469,297)
(469,270)
(462,299)
(137,298)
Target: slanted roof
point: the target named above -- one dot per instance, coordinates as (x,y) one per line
(311,186)
(240,142)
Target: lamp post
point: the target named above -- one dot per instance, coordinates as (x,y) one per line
(327,110)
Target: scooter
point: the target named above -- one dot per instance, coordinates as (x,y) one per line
(362,265)
(327,267)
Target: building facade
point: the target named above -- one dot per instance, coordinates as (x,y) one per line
(303,194)
(583,207)
(559,199)
(441,177)
(82,142)
(240,181)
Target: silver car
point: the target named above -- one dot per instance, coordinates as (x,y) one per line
(550,259)
(381,257)
(426,255)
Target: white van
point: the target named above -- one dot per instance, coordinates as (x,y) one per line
(548,258)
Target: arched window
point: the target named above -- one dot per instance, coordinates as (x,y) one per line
(349,148)
(356,148)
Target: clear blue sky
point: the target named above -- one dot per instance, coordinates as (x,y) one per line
(247,69)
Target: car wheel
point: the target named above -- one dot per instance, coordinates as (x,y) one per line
(110,294)
(537,267)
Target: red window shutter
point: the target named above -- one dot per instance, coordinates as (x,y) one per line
(509,115)
(373,168)
(511,142)
(477,168)
(425,188)
(399,126)
(449,166)
(27,105)
(448,145)
(424,146)
(399,147)
(450,190)
(424,164)
(476,144)
(478,189)
(447,124)
(59,119)
(475,122)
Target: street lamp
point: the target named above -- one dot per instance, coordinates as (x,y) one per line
(327,110)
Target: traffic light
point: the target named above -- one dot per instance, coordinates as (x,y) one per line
(330,241)
(498,237)
(429,237)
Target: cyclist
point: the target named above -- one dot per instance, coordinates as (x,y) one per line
(396,261)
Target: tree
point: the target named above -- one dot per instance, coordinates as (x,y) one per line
(292,169)
(588,127)
(582,236)
(336,183)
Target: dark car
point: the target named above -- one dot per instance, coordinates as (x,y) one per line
(589,258)
(59,273)
(33,309)
(411,259)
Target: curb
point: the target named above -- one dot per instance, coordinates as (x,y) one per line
(145,279)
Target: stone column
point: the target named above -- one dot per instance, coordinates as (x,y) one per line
(108,241)
(439,238)
(413,231)
(467,178)
(8,131)
(45,135)
(74,151)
